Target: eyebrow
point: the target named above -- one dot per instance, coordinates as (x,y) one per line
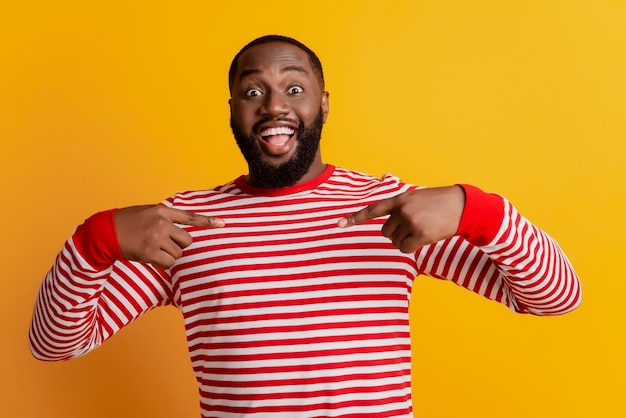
(296,68)
(289,68)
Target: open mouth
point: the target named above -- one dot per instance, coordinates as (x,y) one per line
(277,136)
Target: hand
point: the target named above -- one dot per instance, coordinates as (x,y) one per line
(148,234)
(417,218)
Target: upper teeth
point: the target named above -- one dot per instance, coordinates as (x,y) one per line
(281,130)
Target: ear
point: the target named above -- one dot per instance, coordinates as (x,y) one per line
(230,103)
(325,105)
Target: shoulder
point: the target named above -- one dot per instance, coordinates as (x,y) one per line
(356,185)
(359,180)
(188,199)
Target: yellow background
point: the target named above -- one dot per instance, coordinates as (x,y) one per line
(106,104)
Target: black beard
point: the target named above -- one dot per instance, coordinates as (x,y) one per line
(270,176)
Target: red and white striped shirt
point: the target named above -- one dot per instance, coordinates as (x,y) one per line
(286,314)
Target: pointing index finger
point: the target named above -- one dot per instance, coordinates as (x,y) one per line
(375,210)
(194,219)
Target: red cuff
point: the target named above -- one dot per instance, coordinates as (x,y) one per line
(96,240)
(482,216)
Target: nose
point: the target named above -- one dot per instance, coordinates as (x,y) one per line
(275,104)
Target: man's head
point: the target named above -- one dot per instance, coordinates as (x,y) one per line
(278,106)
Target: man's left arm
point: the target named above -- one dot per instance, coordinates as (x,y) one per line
(479,241)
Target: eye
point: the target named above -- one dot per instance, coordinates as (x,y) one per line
(253,92)
(295,90)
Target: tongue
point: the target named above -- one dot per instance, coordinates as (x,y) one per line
(277,139)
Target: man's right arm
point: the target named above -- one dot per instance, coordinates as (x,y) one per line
(109,273)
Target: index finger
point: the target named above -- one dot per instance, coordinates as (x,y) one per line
(184,217)
(375,210)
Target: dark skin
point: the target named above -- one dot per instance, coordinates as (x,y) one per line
(275,87)
(416,218)
(149,234)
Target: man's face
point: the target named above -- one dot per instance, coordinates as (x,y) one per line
(277,112)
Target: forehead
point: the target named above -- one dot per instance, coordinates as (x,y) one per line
(273,56)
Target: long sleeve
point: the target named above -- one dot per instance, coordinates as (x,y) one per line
(89,294)
(499,254)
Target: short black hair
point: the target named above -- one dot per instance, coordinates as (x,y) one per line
(313,59)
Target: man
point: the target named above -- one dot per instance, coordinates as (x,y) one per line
(294,281)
